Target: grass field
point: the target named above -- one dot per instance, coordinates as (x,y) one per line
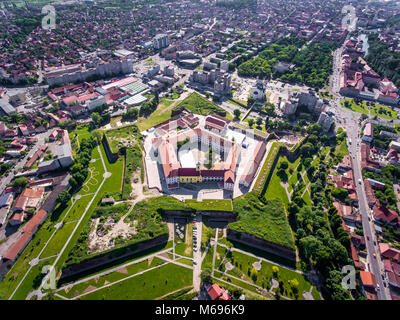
(161,114)
(376,109)
(341,149)
(184,247)
(265,220)
(200,105)
(120,137)
(49,241)
(57,241)
(273,152)
(147,286)
(243,265)
(276,191)
(99,281)
(210,204)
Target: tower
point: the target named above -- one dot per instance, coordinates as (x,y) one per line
(198,164)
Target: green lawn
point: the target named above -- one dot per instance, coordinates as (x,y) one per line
(199,105)
(341,149)
(184,247)
(57,242)
(307,199)
(315,293)
(161,114)
(210,205)
(94,178)
(273,153)
(265,220)
(244,263)
(150,285)
(76,211)
(275,190)
(32,280)
(376,109)
(111,277)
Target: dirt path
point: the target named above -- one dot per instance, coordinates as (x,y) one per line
(121,227)
(165,295)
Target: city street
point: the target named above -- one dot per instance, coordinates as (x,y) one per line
(350,120)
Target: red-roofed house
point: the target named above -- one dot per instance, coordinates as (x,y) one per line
(70,100)
(386,215)
(216,293)
(389,253)
(368,279)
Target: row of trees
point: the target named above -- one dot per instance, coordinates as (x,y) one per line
(148,107)
(130,115)
(79,169)
(319,233)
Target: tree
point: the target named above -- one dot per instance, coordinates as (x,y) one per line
(307,149)
(340,193)
(254,274)
(294,284)
(206,276)
(259,121)
(63,197)
(251,123)
(236,113)
(311,245)
(284,165)
(20,182)
(73,183)
(275,271)
(307,162)
(96,118)
(130,114)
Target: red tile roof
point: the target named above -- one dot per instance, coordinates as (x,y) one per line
(386,214)
(18,246)
(388,252)
(34,222)
(367,279)
(216,293)
(188,172)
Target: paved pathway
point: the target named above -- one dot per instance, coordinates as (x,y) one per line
(254,256)
(197,259)
(114,269)
(78,224)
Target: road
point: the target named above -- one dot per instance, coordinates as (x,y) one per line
(197,253)
(351,122)
(374,264)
